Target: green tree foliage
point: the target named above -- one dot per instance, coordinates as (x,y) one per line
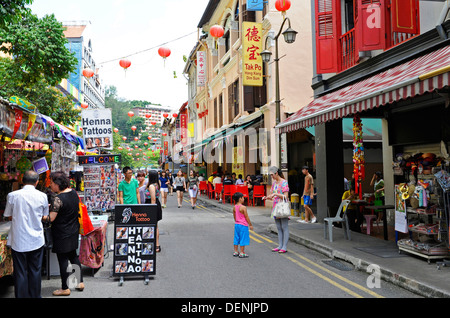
(13,10)
(38,50)
(123,122)
(39,61)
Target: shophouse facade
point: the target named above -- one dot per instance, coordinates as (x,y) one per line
(384,59)
(234,123)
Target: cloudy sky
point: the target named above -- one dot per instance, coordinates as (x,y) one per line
(124,27)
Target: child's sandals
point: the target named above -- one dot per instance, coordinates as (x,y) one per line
(243,255)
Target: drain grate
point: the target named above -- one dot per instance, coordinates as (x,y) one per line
(342,266)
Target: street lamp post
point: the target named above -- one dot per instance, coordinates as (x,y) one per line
(289,37)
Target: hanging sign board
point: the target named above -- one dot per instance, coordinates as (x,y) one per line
(97,128)
(201,68)
(255,5)
(252,72)
(135,240)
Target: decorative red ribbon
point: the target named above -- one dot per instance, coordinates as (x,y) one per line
(18,115)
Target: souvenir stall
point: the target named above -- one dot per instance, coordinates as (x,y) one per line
(29,140)
(24,142)
(421,200)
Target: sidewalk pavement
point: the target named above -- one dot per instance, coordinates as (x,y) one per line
(410,272)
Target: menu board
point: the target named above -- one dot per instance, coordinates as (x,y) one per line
(100,187)
(135,239)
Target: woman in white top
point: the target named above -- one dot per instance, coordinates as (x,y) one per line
(180,186)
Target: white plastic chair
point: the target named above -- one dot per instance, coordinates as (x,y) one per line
(328,222)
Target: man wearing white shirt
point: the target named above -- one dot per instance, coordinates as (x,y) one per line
(25,209)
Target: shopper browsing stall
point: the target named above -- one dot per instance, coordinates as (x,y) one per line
(65,229)
(26,209)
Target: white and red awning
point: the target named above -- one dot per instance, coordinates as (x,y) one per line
(416,77)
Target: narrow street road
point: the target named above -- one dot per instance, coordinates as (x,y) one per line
(196,262)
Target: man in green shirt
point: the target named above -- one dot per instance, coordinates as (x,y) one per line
(129,188)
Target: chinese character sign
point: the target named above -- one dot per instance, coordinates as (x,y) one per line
(252,47)
(201,68)
(183,129)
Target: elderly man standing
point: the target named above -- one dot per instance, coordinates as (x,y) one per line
(25,209)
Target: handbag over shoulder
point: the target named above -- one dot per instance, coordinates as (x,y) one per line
(282,209)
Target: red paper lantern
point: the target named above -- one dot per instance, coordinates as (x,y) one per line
(148,116)
(84,105)
(283,5)
(124,138)
(164,134)
(120,148)
(116,130)
(154,139)
(136,146)
(87,72)
(125,63)
(133,128)
(175,115)
(153,123)
(216,31)
(136,138)
(164,52)
(149,137)
(165,115)
(130,114)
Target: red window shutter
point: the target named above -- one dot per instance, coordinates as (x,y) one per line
(327,18)
(405,16)
(371,25)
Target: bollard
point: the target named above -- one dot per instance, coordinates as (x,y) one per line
(295,201)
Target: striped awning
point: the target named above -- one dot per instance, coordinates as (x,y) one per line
(416,77)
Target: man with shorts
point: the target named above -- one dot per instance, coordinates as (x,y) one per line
(308,196)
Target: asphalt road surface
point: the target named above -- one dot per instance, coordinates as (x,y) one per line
(197,261)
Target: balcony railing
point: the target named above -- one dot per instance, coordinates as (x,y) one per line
(347,50)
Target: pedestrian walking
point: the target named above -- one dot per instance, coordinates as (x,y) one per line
(152,197)
(308,196)
(193,188)
(180,186)
(280,191)
(27,209)
(128,188)
(241,226)
(142,186)
(65,230)
(164,186)
(170,177)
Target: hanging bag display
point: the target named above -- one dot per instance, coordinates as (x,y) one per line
(282,209)
(83,217)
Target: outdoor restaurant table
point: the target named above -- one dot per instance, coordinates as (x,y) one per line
(384,208)
(6,263)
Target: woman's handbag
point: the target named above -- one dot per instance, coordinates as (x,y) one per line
(48,235)
(282,209)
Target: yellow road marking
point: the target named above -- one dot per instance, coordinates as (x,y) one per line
(366,290)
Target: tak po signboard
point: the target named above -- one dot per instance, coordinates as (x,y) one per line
(252,72)
(135,240)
